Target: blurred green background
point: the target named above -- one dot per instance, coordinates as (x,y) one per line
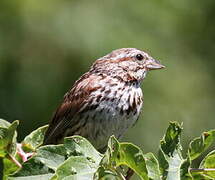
(46,45)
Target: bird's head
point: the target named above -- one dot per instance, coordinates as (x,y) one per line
(127,63)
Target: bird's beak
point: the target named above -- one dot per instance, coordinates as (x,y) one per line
(153,64)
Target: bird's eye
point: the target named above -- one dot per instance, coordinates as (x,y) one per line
(139,57)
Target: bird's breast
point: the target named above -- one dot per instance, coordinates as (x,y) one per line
(116,108)
(113,108)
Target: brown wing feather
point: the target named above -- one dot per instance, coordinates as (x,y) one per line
(72,103)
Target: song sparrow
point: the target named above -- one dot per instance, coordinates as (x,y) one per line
(105,101)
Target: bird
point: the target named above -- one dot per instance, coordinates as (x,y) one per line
(106,100)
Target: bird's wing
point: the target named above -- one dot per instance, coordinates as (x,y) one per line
(74,100)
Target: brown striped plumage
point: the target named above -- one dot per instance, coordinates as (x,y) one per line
(104,101)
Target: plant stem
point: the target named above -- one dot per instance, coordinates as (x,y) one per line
(15,161)
(130,173)
(202,169)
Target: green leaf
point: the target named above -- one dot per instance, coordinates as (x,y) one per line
(4,124)
(79,146)
(7,137)
(31,142)
(185,170)
(33,177)
(200,144)
(8,146)
(44,162)
(170,153)
(9,168)
(208,164)
(104,173)
(171,140)
(35,138)
(77,167)
(84,160)
(199,176)
(126,154)
(51,159)
(152,166)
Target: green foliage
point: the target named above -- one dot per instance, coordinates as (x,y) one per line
(35,139)
(208,163)
(76,158)
(7,137)
(170,154)
(200,144)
